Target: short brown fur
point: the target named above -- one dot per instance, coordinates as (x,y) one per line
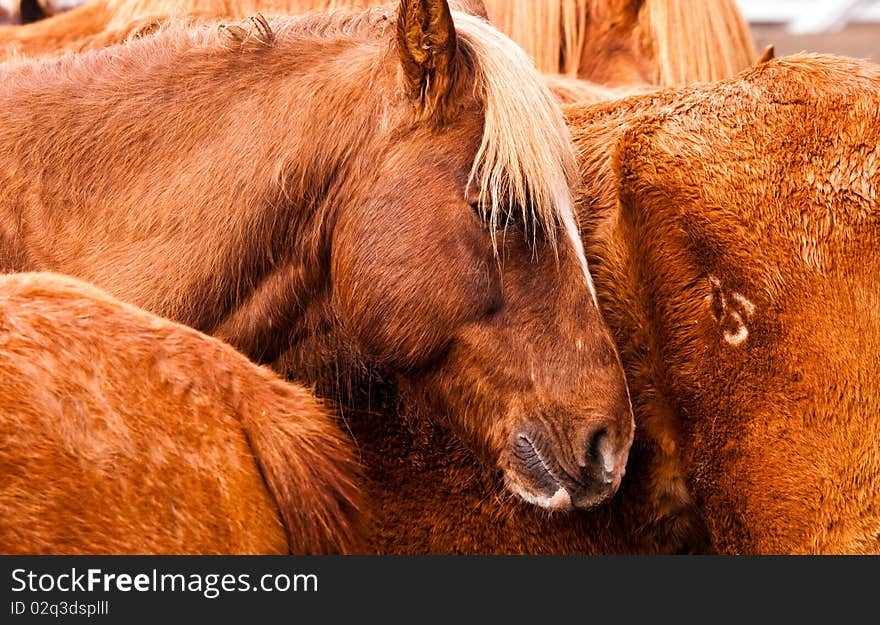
(733,231)
(121,432)
(699,204)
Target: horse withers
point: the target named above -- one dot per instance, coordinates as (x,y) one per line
(381,190)
(121,432)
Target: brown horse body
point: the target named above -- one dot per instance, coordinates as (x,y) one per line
(121,432)
(428,495)
(432,496)
(733,231)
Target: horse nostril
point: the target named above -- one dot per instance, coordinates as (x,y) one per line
(586,477)
(599,459)
(598,477)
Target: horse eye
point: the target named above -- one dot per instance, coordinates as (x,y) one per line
(483,212)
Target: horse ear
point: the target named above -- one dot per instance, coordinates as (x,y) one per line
(426,46)
(767,55)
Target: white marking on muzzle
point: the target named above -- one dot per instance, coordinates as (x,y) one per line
(560,500)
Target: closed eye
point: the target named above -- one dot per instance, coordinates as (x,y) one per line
(506,217)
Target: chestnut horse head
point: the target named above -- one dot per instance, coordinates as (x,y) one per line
(387,188)
(456,266)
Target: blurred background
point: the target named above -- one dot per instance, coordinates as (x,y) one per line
(847,27)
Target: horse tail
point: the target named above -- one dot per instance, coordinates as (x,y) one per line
(309,467)
(697,41)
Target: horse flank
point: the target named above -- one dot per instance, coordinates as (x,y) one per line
(189,392)
(759,258)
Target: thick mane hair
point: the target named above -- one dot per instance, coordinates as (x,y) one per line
(551,31)
(525,158)
(691,41)
(697,41)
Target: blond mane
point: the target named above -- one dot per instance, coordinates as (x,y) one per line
(690,40)
(552,32)
(525,162)
(679,41)
(525,159)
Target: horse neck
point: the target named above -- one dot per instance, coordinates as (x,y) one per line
(330,134)
(270,137)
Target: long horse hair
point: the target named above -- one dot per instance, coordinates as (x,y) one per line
(692,41)
(697,41)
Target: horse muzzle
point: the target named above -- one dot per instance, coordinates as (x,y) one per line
(539,472)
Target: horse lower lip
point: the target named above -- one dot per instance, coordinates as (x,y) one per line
(540,473)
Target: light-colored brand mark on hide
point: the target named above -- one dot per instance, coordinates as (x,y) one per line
(732,311)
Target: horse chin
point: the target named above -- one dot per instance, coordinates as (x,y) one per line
(560,500)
